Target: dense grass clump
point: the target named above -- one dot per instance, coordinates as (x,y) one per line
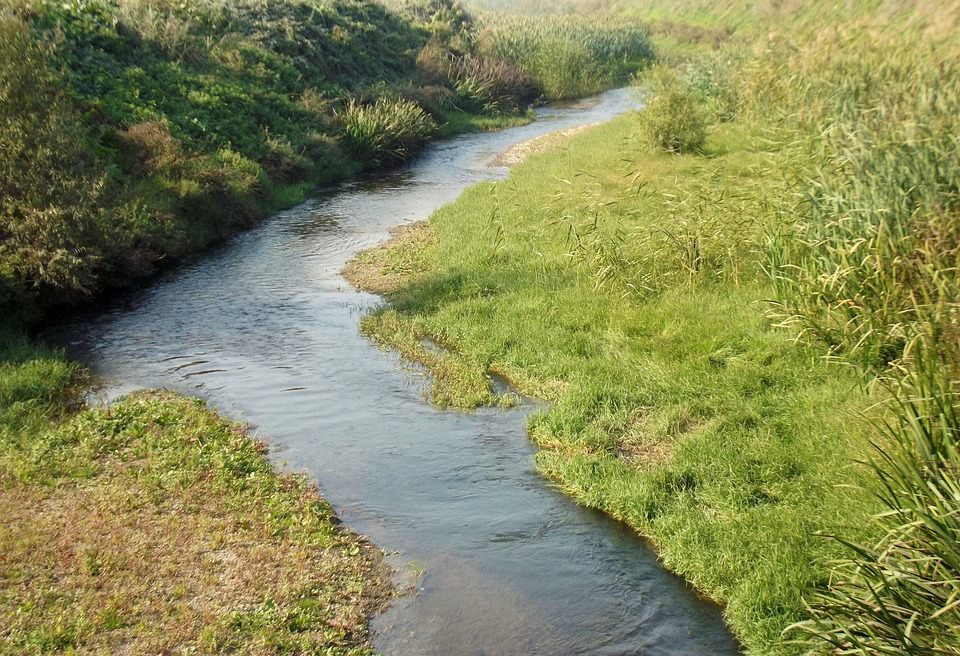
(900,596)
(866,266)
(385,132)
(674,118)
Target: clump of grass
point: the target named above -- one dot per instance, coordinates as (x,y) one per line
(866,263)
(386,131)
(674,118)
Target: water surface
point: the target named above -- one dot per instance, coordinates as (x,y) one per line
(265,329)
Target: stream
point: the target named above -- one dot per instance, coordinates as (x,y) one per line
(265,329)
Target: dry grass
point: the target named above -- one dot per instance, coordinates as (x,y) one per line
(384,268)
(174,536)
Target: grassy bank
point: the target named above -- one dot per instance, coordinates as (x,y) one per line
(136,132)
(157,525)
(675,406)
(741,305)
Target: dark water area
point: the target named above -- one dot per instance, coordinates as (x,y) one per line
(266,330)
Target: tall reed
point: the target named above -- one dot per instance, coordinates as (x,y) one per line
(568,56)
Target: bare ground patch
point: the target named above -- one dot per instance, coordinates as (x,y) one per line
(519,152)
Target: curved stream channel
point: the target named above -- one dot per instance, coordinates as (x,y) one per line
(265,329)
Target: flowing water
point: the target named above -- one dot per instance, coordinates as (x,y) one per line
(265,329)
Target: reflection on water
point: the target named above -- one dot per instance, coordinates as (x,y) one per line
(266,330)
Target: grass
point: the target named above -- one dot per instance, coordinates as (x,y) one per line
(623,287)
(137,133)
(638,291)
(568,57)
(159,526)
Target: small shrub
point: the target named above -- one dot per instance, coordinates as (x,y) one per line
(385,132)
(674,119)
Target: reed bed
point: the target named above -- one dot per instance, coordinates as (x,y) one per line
(568,56)
(865,260)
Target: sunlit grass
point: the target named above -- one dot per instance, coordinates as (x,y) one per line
(159,525)
(625,288)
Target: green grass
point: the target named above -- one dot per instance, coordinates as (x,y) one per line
(159,525)
(638,291)
(625,287)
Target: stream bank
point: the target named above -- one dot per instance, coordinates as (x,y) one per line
(265,329)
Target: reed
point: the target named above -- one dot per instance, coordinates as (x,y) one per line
(568,56)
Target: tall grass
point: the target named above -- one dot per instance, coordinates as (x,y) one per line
(867,266)
(873,251)
(386,131)
(568,56)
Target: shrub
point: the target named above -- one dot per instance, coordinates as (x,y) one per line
(386,131)
(674,118)
(479,83)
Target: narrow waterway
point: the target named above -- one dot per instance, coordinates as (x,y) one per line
(265,328)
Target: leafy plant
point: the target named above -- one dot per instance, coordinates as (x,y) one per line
(386,131)
(673,119)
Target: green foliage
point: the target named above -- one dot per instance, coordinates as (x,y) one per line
(865,259)
(479,83)
(674,118)
(902,596)
(49,188)
(874,247)
(568,56)
(386,131)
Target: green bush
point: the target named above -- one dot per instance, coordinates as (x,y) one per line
(386,131)
(674,118)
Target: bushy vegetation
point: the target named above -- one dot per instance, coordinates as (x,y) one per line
(135,132)
(386,132)
(867,268)
(674,119)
